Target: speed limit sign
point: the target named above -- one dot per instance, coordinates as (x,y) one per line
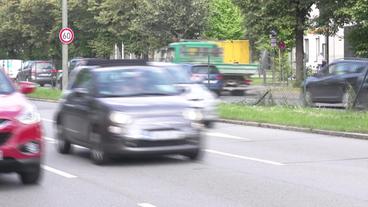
(66,35)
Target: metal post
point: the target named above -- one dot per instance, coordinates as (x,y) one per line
(208,71)
(65,46)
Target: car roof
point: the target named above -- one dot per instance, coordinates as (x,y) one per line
(109,68)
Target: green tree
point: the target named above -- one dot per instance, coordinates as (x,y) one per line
(290,18)
(225,21)
(358,35)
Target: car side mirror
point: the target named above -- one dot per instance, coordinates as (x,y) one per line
(81,92)
(26,87)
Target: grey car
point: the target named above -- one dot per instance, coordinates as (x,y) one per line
(127,111)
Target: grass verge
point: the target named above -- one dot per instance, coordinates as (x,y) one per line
(325,119)
(46,93)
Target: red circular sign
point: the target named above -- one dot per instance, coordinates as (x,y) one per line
(66,35)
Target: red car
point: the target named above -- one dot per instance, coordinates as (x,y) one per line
(20,132)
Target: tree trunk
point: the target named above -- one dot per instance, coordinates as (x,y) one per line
(299,40)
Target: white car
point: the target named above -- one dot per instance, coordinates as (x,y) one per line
(196,93)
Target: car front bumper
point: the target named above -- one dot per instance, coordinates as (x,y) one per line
(9,165)
(139,147)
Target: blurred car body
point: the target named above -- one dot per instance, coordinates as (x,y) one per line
(39,71)
(20,132)
(209,75)
(194,91)
(338,82)
(127,110)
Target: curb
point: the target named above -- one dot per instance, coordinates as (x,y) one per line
(44,100)
(297,129)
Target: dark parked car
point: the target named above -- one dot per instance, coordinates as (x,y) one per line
(127,110)
(40,71)
(338,82)
(210,76)
(20,132)
(72,64)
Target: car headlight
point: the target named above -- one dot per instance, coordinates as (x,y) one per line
(193,114)
(29,115)
(120,118)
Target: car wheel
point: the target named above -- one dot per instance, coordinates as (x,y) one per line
(63,146)
(209,124)
(195,155)
(218,93)
(237,93)
(98,155)
(42,84)
(348,98)
(32,177)
(307,99)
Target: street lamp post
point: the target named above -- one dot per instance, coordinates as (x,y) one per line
(65,46)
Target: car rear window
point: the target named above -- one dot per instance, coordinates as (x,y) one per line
(5,86)
(204,70)
(43,67)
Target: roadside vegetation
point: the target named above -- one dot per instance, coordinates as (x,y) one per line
(314,118)
(46,93)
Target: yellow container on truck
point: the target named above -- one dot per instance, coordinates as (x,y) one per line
(235,51)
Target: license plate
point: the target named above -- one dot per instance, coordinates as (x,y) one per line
(165,135)
(211,81)
(1,155)
(44,75)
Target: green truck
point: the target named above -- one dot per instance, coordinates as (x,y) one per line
(230,57)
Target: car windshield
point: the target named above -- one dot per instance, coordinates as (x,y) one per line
(180,74)
(42,66)
(204,70)
(134,82)
(5,86)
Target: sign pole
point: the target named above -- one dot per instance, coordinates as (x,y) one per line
(65,46)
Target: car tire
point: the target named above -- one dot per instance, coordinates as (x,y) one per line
(348,99)
(209,124)
(42,84)
(237,93)
(63,146)
(307,99)
(195,155)
(98,155)
(32,177)
(218,93)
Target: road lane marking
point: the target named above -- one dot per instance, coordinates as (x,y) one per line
(227,136)
(244,157)
(58,172)
(48,120)
(146,205)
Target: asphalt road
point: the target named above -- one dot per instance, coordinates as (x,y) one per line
(242,166)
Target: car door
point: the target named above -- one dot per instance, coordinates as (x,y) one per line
(78,105)
(329,87)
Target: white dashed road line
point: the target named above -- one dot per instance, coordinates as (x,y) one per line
(244,157)
(146,205)
(48,120)
(58,172)
(227,136)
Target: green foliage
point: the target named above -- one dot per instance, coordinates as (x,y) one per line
(358,34)
(29,28)
(225,21)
